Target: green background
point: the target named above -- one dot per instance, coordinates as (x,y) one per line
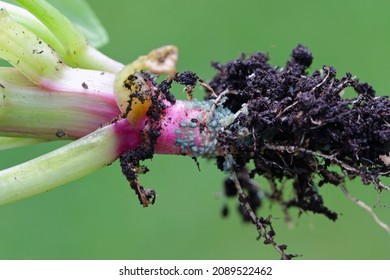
(98,216)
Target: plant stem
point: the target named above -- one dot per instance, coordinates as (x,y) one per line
(30,22)
(187,127)
(91,58)
(42,65)
(23,49)
(29,111)
(77,159)
(71,38)
(76,51)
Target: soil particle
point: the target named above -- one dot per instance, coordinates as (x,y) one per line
(187,78)
(164,88)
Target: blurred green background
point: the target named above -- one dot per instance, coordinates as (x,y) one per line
(99,217)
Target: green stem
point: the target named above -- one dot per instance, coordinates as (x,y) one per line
(23,49)
(41,64)
(74,160)
(30,22)
(69,36)
(29,111)
(91,58)
(77,52)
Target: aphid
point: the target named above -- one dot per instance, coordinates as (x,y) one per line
(60,133)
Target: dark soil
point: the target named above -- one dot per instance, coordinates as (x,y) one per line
(301,128)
